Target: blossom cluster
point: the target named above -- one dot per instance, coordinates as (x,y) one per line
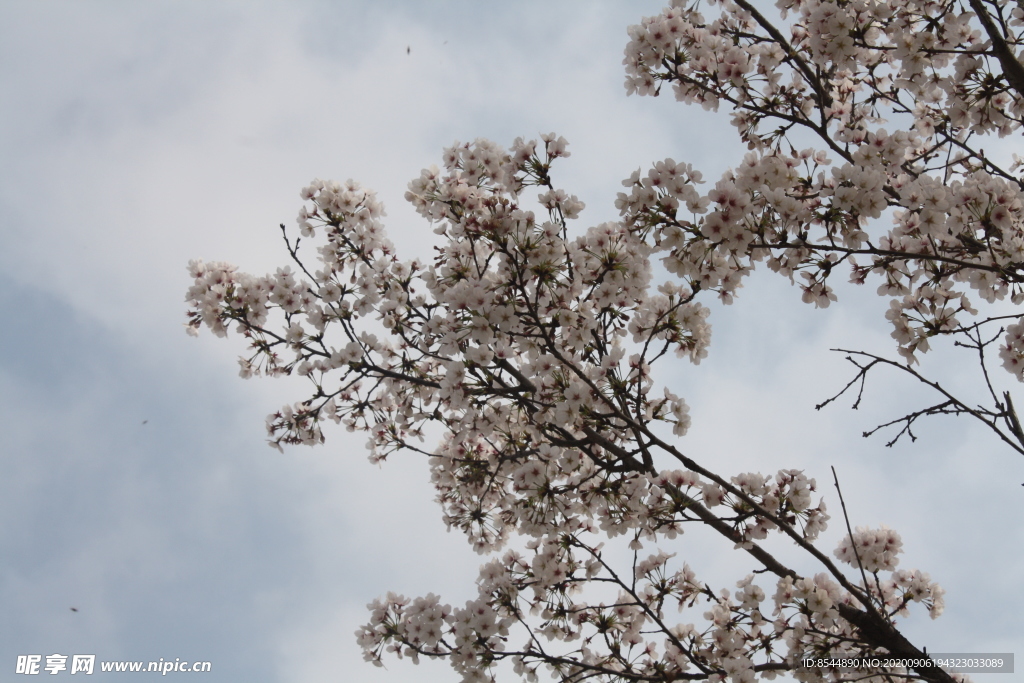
(957,215)
(634,635)
(871,549)
(530,344)
(533,351)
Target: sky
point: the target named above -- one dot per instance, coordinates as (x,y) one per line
(137,485)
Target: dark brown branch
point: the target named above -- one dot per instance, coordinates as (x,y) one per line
(824,99)
(1011,418)
(1013,70)
(952,405)
(853,542)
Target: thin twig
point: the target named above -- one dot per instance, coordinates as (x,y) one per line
(853,543)
(951,406)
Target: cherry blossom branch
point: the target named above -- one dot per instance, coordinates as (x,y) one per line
(849,530)
(518,346)
(824,99)
(1013,70)
(950,406)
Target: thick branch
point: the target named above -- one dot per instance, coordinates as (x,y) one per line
(1013,70)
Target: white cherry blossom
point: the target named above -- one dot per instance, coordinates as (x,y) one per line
(532,344)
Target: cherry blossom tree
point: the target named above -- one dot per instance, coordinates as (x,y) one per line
(524,351)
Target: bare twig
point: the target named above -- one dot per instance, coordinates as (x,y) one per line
(853,543)
(950,406)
